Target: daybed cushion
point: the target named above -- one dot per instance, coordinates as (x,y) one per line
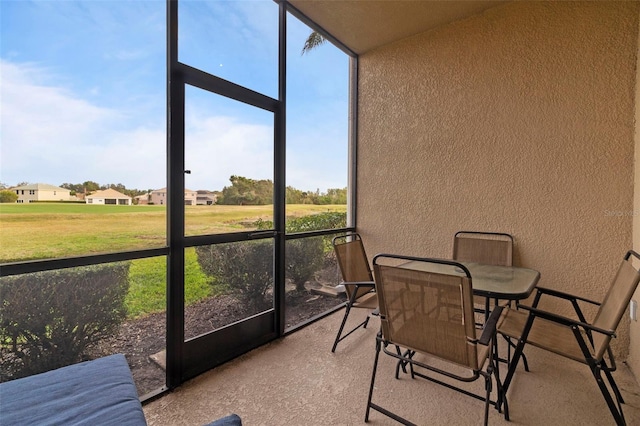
(230,420)
(98,392)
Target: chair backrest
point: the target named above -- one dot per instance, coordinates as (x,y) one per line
(491,248)
(615,302)
(427,306)
(352,260)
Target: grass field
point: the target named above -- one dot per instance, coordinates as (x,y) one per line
(148,280)
(52,230)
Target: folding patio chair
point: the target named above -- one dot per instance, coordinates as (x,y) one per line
(357,280)
(577,339)
(490,248)
(426,307)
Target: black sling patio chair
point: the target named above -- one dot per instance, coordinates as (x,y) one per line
(579,340)
(357,280)
(426,308)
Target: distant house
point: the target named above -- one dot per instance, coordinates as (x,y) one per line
(108,196)
(190,197)
(159,196)
(142,199)
(41,192)
(206,198)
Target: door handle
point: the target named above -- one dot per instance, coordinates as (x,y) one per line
(262,234)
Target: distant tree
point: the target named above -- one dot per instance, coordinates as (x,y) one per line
(7,196)
(118,187)
(90,186)
(244,191)
(23,183)
(335,196)
(73,187)
(294,196)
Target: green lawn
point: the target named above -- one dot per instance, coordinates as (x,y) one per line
(53,230)
(50,230)
(147,284)
(73,208)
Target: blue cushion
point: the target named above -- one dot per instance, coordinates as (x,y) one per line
(231,420)
(98,392)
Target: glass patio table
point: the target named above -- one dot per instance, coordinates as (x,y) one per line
(490,281)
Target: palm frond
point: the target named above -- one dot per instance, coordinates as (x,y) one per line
(314,40)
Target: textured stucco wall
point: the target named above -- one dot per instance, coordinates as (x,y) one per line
(634,347)
(519,120)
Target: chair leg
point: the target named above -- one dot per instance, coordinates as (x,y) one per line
(596,369)
(524,357)
(502,398)
(373,379)
(617,413)
(400,364)
(524,362)
(487,385)
(339,336)
(496,373)
(510,345)
(613,384)
(344,321)
(376,407)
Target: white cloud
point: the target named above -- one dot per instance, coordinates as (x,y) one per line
(218,147)
(52,135)
(48,134)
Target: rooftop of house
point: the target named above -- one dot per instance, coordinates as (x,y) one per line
(109,193)
(39,187)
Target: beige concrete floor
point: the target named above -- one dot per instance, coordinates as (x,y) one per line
(298,381)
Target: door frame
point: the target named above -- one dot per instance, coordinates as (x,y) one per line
(185,360)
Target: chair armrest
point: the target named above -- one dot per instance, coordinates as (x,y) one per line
(490,326)
(563,295)
(550,316)
(371,284)
(358,284)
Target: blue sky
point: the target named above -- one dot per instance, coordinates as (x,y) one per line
(82,94)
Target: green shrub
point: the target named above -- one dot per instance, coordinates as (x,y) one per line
(246,268)
(48,319)
(312,222)
(304,257)
(7,196)
(317,222)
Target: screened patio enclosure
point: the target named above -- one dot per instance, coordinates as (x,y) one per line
(516,117)
(176,286)
(497,116)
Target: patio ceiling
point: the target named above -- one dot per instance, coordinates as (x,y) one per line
(363,25)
